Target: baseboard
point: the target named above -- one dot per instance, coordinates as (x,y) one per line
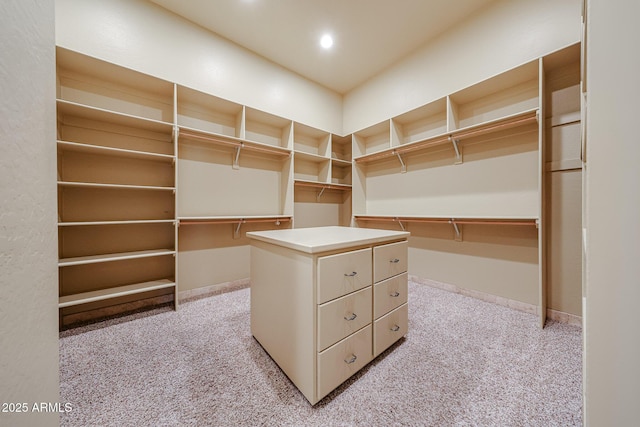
(555,315)
(68,321)
(562,317)
(211,290)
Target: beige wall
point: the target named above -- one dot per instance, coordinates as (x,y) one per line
(28,240)
(501,37)
(612,287)
(142,36)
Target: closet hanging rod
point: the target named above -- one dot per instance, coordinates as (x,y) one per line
(234,221)
(238,144)
(520,120)
(404,219)
(322,185)
(531,222)
(496,222)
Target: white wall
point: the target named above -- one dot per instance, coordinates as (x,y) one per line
(28,239)
(508,34)
(144,37)
(612,288)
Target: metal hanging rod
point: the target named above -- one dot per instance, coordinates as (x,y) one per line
(277,220)
(434,220)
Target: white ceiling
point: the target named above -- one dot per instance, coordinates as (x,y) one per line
(369,35)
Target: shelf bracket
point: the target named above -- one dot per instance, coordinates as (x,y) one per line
(399,223)
(457,149)
(457,229)
(236,231)
(236,159)
(320,193)
(403,166)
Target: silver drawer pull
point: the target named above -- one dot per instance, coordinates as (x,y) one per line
(395,294)
(395,328)
(351,275)
(352,317)
(351,359)
(395,260)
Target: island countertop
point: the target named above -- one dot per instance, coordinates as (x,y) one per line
(322,239)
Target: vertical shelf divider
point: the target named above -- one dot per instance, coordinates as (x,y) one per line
(175,135)
(542,240)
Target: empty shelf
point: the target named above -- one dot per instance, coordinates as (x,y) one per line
(93,259)
(123,222)
(112,186)
(111,151)
(103,294)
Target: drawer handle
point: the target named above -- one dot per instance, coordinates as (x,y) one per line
(395,328)
(351,275)
(395,294)
(352,317)
(351,359)
(395,260)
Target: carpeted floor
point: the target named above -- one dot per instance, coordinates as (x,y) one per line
(464,362)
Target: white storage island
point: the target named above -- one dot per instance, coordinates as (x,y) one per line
(325,301)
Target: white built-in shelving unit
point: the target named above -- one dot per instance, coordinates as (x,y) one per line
(155,179)
(322,177)
(474,157)
(116,184)
(157,182)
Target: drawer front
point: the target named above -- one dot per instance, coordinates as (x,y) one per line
(389,260)
(390,328)
(343,359)
(343,316)
(389,294)
(344,273)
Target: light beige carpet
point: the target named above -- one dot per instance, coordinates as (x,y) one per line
(464,362)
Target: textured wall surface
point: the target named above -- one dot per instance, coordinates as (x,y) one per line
(501,37)
(28,234)
(612,291)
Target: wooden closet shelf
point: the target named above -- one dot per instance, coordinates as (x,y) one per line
(117,152)
(340,162)
(93,259)
(443,220)
(113,186)
(69,108)
(103,294)
(117,222)
(311,157)
(234,142)
(504,123)
(509,122)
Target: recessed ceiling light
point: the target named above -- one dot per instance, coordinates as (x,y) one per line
(326,41)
